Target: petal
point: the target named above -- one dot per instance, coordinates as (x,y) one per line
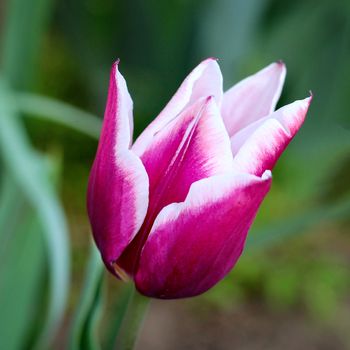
(194,244)
(205,80)
(118,183)
(192,147)
(259,146)
(253,98)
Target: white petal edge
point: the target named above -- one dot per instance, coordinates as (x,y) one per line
(206,190)
(253,98)
(205,80)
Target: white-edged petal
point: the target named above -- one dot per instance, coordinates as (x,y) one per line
(253,98)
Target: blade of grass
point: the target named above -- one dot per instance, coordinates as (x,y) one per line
(22,274)
(38,106)
(90,339)
(32,177)
(10,203)
(28,19)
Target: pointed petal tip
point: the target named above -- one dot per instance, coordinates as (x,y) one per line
(114,69)
(120,273)
(115,66)
(311,96)
(211,60)
(307,101)
(280,63)
(280,67)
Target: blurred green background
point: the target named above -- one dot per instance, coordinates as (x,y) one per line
(290,289)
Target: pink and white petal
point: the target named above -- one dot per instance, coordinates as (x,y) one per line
(205,80)
(253,98)
(118,184)
(240,137)
(194,244)
(193,146)
(258,147)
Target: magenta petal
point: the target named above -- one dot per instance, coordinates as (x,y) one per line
(194,244)
(205,80)
(258,147)
(118,183)
(193,146)
(253,98)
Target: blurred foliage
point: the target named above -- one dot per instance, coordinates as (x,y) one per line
(303,274)
(62,51)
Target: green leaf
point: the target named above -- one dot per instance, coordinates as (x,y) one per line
(53,110)
(11,203)
(30,174)
(90,338)
(23,32)
(22,271)
(24,26)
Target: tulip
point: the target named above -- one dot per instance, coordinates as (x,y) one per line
(172,210)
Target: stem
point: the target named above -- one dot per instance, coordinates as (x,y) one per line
(132,322)
(84,324)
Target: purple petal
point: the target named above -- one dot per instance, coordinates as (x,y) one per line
(118,183)
(258,146)
(193,146)
(194,244)
(253,98)
(205,80)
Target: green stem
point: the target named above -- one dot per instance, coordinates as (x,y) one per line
(90,301)
(119,311)
(132,322)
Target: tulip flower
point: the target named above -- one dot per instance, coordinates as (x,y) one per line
(172,210)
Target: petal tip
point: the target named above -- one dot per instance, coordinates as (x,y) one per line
(280,63)
(307,101)
(120,272)
(211,61)
(282,68)
(310,98)
(114,69)
(115,66)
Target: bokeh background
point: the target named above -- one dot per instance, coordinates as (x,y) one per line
(290,289)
